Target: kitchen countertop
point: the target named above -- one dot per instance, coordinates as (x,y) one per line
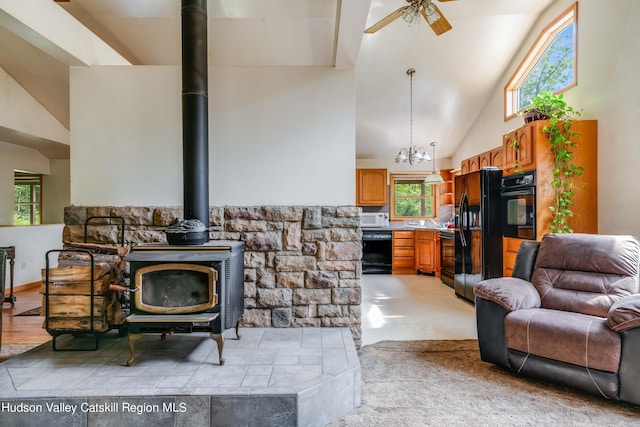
(401,226)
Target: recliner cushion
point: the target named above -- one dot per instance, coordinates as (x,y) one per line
(586,273)
(575,338)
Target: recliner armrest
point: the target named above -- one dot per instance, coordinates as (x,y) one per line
(510,293)
(624,313)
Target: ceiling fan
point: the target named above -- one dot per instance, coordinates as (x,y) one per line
(411,15)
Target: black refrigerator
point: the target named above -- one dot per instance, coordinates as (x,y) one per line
(478,237)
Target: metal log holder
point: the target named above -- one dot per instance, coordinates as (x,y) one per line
(10,254)
(57,332)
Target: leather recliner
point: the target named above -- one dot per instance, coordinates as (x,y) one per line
(570,314)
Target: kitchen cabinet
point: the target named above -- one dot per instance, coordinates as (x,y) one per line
(474,163)
(464,166)
(534,153)
(491,158)
(469,165)
(510,248)
(403,252)
(371,187)
(496,157)
(427,250)
(485,159)
(446,188)
(519,157)
(537,156)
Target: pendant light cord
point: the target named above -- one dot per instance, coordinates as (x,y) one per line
(410,71)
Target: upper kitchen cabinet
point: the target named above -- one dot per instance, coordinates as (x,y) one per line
(474,163)
(485,159)
(464,167)
(371,187)
(491,158)
(495,157)
(517,149)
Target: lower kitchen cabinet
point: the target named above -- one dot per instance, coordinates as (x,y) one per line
(403,252)
(510,248)
(427,251)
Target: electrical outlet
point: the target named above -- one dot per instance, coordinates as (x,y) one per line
(24,265)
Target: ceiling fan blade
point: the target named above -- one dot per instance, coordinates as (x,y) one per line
(441,25)
(385,21)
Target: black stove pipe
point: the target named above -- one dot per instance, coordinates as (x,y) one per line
(195,111)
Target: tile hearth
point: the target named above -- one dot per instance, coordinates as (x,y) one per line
(271,376)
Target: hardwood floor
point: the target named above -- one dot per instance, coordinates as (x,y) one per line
(23,329)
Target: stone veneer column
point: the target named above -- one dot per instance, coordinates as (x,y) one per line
(302,263)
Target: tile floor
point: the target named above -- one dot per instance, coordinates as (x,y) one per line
(269,369)
(292,376)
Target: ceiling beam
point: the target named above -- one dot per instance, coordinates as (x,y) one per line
(351,18)
(47,26)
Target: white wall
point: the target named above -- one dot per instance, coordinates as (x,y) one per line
(276,136)
(607,90)
(14,157)
(55,191)
(32,243)
(392,166)
(21,115)
(21,112)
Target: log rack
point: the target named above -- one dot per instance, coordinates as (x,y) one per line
(91,330)
(55,333)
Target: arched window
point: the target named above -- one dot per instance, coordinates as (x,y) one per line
(550,64)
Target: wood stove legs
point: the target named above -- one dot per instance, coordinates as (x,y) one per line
(219,339)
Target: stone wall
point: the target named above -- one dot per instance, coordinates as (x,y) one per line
(302,263)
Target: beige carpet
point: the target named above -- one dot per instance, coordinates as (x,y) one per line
(444,383)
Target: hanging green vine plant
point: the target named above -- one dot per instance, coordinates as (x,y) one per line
(562,141)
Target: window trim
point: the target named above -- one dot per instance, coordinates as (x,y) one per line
(543,41)
(34,203)
(392,202)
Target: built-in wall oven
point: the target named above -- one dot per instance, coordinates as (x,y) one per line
(518,198)
(376,251)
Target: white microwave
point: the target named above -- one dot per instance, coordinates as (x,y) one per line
(372,219)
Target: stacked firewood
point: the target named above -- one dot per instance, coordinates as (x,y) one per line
(70,290)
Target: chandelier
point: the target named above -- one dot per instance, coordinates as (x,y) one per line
(411,14)
(413,154)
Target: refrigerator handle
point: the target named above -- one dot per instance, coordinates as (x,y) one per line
(462,219)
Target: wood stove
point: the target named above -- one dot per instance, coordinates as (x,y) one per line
(184,289)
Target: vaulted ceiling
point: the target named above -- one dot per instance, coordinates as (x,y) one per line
(456,72)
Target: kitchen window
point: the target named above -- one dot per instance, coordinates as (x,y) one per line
(549,66)
(27,199)
(411,198)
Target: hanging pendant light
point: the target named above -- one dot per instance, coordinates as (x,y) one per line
(434,177)
(413,154)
